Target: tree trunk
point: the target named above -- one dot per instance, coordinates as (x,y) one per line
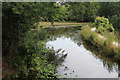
(52,23)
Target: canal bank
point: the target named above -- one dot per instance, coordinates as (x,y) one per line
(109,46)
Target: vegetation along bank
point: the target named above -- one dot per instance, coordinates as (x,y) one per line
(101,35)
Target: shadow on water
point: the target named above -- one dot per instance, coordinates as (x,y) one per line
(72,33)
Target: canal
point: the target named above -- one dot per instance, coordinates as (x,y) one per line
(82,60)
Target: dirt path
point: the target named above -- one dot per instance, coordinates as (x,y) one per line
(61,23)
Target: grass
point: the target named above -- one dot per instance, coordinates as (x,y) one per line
(62,23)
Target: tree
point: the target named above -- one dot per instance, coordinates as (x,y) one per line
(82,11)
(55,12)
(17,18)
(108,9)
(103,24)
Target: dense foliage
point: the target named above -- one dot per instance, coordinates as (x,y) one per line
(82,11)
(33,60)
(26,50)
(17,19)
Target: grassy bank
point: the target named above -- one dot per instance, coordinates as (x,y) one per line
(103,42)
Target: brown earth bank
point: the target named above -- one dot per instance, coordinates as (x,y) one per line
(7,69)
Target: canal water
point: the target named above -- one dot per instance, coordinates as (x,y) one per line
(82,60)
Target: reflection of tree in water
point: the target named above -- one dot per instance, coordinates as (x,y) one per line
(70,32)
(108,63)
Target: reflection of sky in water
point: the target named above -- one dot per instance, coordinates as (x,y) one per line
(80,62)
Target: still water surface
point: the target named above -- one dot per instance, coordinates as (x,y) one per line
(81,61)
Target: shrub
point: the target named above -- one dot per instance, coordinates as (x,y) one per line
(101,21)
(103,24)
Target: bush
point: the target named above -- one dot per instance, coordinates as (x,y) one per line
(103,24)
(101,21)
